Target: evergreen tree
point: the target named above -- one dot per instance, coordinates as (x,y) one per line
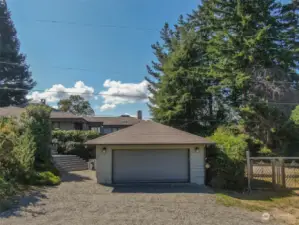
(246,59)
(14,73)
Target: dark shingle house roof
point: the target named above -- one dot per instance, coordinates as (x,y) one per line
(11,111)
(17,111)
(58,115)
(149,133)
(114,121)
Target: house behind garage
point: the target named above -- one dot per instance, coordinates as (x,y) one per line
(150,152)
(70,121)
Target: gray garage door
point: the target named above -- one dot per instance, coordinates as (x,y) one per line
(150,166)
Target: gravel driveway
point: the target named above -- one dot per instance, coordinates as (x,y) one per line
(79,200)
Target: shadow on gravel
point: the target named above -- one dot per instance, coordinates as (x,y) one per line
(72,177)
(161,188)
(21,203)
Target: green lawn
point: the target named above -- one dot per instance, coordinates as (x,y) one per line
(280,204)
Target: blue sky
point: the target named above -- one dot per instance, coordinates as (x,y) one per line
(104,45)
(117,53)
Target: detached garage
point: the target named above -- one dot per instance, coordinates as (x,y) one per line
(150,152)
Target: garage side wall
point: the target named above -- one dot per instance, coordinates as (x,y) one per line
(104,165)
(197,165)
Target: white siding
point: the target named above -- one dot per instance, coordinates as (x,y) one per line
(104,165)
(197,165)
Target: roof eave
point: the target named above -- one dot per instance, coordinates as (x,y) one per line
(157,143)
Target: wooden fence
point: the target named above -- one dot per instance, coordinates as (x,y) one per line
(272,172)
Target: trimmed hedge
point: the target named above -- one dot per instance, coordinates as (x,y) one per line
(72,142)
(74,135)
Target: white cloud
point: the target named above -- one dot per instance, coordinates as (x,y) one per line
(107,107)
(131,115)
(58,91)
(118,93)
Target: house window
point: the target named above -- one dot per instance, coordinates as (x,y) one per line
(78,126)
(108,130)
(114,129)
(55,125)
(98,129)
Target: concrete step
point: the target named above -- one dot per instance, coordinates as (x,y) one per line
(69,163)
(72,167)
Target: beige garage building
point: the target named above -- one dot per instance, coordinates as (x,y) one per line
(150,152)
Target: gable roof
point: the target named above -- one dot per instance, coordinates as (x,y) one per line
(113,121)
(58,115)
(17,111)
(11,111)
(64,115)
(149,132)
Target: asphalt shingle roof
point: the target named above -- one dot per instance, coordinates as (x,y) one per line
(108,121)
(114,121)
(11,111)
(149,132)
(17,111)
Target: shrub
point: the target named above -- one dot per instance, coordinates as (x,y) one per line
(228,158)
(48,167)
(36,119)
(25,147)
(44,178)
(74,135)
(72,142)
(9,165)
(24,152)
(6,188)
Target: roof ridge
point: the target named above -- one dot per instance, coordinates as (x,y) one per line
(118,131)
(181,131)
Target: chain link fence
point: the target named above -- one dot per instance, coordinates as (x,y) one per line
(273,172)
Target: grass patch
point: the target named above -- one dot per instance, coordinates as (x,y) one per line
(234,202)
(280,204)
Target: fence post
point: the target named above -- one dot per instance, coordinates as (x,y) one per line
(273,173)
(248,170)
(283,174)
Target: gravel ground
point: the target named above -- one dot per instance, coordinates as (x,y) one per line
(79,200)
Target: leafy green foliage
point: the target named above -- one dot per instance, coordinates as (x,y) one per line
(6,188)
(225,64)
(36,119)
(44,178)
(72,142)
(234,145)
(295,115)
(24,151)
(77,105)
(20,141)
(228,158)
(16,74)
(74,135)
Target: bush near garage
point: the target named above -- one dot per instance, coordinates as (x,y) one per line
(24,151)
(227,159)
(71,142)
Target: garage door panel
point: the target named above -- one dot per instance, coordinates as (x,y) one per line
(150,166)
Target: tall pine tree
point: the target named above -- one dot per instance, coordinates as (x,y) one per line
(14,72)
(247,57)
